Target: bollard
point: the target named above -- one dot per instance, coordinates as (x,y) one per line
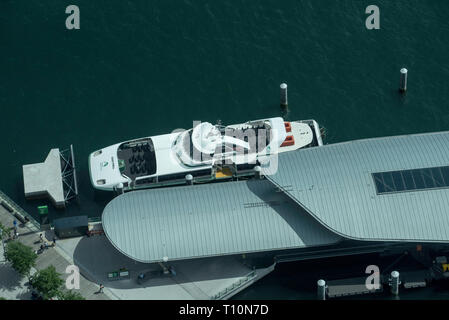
(284,99)
(321,289)
(189,179)
(119,188)
(163,266)
(403,84)
(257,172)
(394,282)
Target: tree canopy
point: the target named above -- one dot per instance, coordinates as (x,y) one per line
(70,295)
(4,231)
(22,257)
(47,282)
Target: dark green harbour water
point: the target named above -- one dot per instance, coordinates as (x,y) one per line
(140,68)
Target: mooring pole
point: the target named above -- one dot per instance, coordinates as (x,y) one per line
(321,289)
(394,283)
(403,83)
(284,99)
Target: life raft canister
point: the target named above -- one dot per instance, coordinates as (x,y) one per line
(289,141)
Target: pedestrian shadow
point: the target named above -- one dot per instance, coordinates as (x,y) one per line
(9,278)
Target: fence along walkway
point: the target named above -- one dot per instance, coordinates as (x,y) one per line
(6,202)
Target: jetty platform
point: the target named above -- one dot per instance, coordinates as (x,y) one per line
(54,178)
(42,179)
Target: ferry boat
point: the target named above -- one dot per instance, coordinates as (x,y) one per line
(201,154)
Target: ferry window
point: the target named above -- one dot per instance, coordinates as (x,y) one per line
(411,180)
(199,173)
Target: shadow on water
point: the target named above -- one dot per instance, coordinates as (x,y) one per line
(297,280)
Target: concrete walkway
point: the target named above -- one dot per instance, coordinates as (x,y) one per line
(12,286)
(198,279)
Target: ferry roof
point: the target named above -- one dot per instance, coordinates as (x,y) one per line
(393,188)
(208,220)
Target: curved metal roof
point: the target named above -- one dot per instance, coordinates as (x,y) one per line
(335,184)
(208,220)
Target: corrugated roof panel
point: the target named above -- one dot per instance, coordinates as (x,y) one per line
(335,184)
(207,220)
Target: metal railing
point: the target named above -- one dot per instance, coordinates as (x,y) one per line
(32,220)
(94,219)
(238,284)
(19,209)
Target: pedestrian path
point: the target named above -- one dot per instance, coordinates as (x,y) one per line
(12,287)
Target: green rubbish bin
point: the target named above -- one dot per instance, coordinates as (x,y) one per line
(43,209)
(43,217)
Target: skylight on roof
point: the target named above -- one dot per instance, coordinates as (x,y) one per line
(411,180)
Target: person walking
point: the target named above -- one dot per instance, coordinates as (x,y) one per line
(54,241)
(41,238)
(101,288)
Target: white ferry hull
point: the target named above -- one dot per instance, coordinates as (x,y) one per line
(110,168)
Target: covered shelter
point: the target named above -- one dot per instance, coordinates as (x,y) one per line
(209,220)
(380,189)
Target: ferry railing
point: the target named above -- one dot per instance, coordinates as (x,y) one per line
(238,284)
(19,210)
